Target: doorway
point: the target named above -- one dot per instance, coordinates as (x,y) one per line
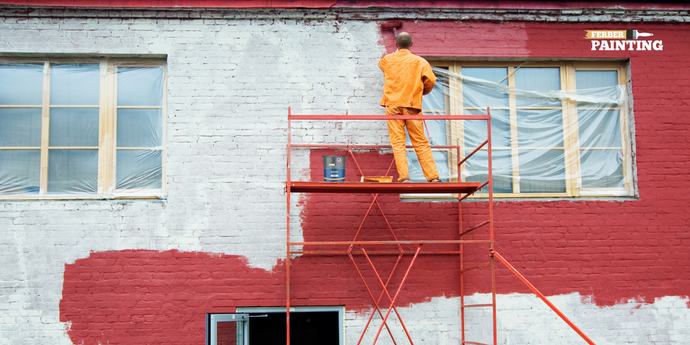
(266,326)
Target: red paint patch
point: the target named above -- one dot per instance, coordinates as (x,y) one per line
(609,250)
(151,297)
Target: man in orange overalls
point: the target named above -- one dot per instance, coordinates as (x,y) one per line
(407,78)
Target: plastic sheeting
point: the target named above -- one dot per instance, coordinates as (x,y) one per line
(530,148)
(139,128)
(74,127)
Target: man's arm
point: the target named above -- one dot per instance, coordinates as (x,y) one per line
(382,63)
(428,79)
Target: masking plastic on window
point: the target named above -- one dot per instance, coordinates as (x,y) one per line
(21,97)
(532,140)
(139,130)
(67,150)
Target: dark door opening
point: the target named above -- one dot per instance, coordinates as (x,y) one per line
(306,328)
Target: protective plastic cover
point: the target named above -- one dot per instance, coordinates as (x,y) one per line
(61,138)
(528,148)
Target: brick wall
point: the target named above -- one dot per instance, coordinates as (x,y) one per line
(230,83)
(148,271)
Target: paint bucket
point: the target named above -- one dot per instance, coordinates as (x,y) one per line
(334,168)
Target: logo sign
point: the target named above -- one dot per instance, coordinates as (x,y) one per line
(622,40)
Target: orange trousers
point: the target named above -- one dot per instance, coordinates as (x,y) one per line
(396,132)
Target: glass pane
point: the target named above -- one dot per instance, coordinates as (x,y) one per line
(435,131)
(75,84)
(542,171)
(479,94)
(602,168)
(415,169)
(434,103)
(477,170)
(19,171)
(596,84)
(21,84)
(74,127)
(139,169)
(595,79)
(599,128)
(140,86)
(540,80)
(227,333)
(540,128)
(20,126)
(475,130)
(73,171)
(139,127)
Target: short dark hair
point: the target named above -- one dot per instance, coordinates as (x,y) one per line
(404,40)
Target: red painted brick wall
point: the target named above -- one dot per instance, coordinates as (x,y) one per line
(614,250)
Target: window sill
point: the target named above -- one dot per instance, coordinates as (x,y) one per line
(77,197)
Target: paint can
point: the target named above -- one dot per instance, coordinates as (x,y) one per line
(334,168)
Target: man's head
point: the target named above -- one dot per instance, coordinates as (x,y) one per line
(403,41)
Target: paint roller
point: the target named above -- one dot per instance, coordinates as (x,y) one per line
(393,25)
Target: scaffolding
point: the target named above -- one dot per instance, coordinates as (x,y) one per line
(359,247)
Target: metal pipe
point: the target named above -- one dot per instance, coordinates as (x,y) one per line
(365,216)
(462,263)
(287,259)
(331,243)
(349,150)
(491,220)
(374,187)
(351,146)
(371,295)
(540,295)
(473,152)
(383,293)
(493,299)
(474,267)
(376,252)
(477,305)
(475,227)
(397,293)
(388,117)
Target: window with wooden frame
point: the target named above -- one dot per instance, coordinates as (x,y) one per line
(559,129)
(82,129)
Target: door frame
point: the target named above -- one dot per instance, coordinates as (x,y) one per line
(260,310)
(212,320)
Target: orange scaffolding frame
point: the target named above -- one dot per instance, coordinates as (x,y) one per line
(462,189)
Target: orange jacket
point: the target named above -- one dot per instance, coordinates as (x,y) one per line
(408,77)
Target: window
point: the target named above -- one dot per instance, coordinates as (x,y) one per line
(267,325)
(559,129)
(81,129)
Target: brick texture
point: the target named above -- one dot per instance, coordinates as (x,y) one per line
(146,271)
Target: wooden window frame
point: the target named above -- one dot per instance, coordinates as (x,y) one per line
(107,132)
(571,148)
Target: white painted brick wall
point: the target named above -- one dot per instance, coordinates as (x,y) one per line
(526,320)
(230,83)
